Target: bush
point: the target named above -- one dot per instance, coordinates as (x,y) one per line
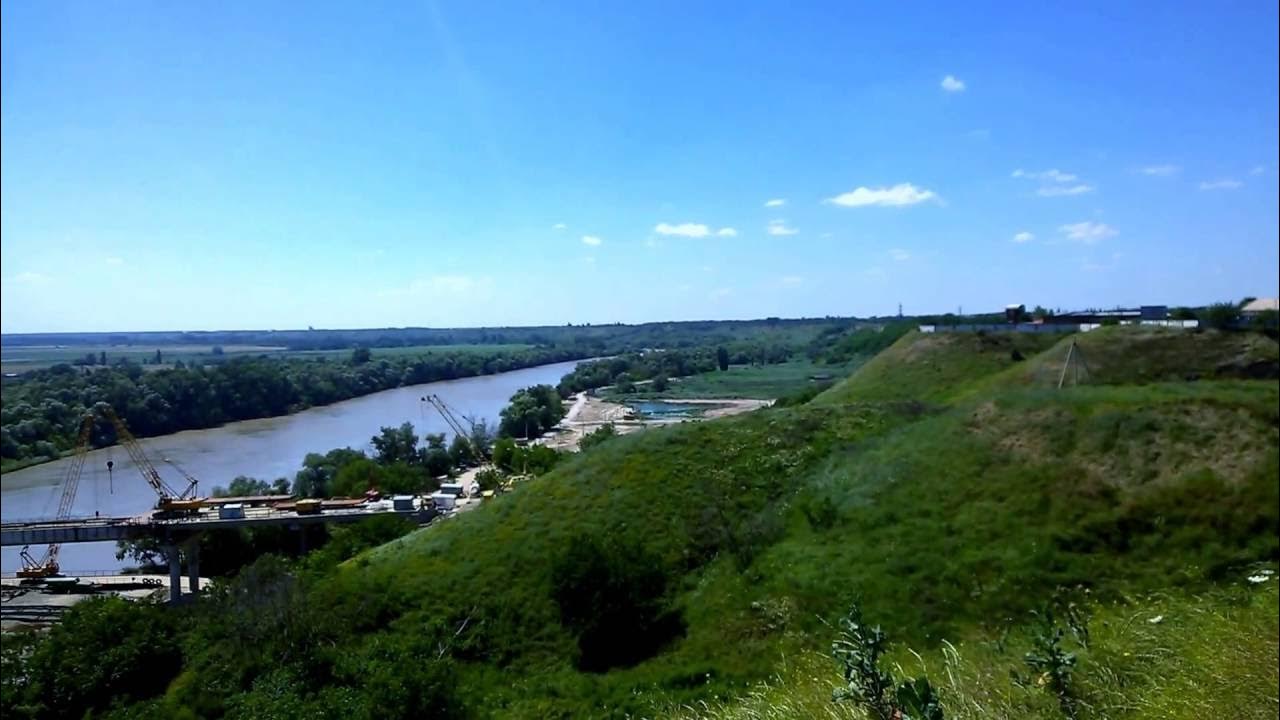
(597,436)
(611,597)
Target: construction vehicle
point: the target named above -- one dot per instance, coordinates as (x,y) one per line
(47,565)
(170,503)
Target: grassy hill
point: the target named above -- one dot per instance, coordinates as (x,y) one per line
(942,487)
(947,518)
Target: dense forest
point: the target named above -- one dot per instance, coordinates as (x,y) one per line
(41,412)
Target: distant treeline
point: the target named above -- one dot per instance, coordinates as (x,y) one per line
(40,416)
(616,337)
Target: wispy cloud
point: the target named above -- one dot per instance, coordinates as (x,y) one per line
(688,229)
(1088,232)
(897,196)
(874,271)
(1257,170)
(900,255)
(559,226)
(721,293)
(727,232)
(791,280)
(114,261)
(29,277)
(780,227)
(1050,175)
(775,202)
(591,240)
(1060,190)
(1023,237)
(952,84)
(1222,184)
(1160,170)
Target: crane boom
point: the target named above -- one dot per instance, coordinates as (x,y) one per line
(454,424)
(169,500)
(47,565)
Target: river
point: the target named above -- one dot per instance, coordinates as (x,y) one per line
(268,448)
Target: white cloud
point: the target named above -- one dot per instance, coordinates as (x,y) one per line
(896,196)
(591,240)
(1023,237)
(727,232)
(775,202)
(1257,170)
(720,293)
(115,261)
(1060,190)
(1223,184)
(874,271)
(1159,170)
(1050,175)
(1088,232)
(825,235)
(559,226)
(779,227)
(31,278)
(692,230)
(952,84)
(899,254)
(791,280)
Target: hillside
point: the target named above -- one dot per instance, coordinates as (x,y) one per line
(943,521)
(688,564)
(934,367)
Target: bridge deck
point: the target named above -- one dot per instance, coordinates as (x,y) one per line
(124,528)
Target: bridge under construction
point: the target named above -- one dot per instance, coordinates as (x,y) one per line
(175,533)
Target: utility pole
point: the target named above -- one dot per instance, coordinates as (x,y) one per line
(899,309)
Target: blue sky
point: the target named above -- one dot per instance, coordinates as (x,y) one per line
(276,165)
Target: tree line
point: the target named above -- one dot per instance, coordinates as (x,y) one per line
(41,412)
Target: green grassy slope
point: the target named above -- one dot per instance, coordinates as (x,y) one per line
(945,520)
(934,367)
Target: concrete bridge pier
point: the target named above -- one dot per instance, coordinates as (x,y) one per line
(175,572)
(193,565)
(173,556)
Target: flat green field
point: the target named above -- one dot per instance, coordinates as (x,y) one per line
(34,357)
(759,382)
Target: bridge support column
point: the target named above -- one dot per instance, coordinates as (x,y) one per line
(193,565)
(175,572)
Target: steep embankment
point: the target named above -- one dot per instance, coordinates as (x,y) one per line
(941,520)
(934,367)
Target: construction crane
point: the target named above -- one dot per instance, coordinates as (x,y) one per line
(169,502)
(454,424)
(47,565)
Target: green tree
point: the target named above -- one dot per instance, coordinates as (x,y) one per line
(659,383)
(104,651)
(722,358)
(1220,316)
(532,411)
(159,357)
(393,445)
(361,355)
(357,477)
(244,486)
(102,358)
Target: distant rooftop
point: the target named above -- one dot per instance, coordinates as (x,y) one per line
(1261,304)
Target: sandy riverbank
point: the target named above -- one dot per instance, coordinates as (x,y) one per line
(589,413)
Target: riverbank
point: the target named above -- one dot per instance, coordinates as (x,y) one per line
(280,388)
(266,448)
(588,414)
